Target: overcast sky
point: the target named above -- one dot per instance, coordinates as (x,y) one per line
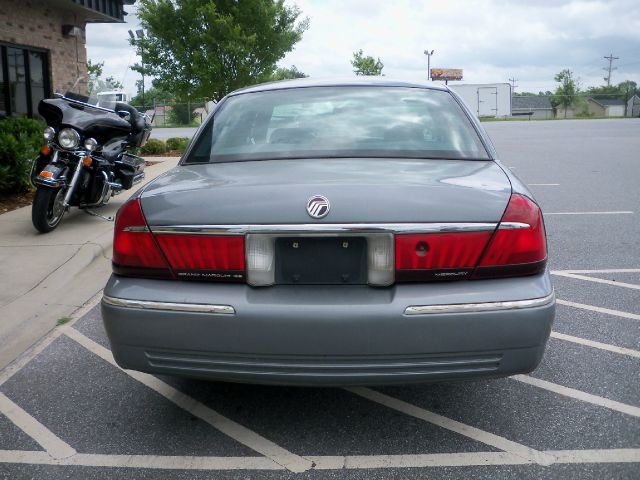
(491,40)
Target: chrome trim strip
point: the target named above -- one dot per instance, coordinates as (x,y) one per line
(513,225)
(172,307)
(479,307)
(325,228)
(136,228)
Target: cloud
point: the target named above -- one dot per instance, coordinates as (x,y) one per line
(492,41)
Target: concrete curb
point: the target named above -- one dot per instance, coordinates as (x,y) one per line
(64,287)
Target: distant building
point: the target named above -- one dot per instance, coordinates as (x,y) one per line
(538,106)
(42,48)
(592,107)
(486,99)
(633,106)
(613,107)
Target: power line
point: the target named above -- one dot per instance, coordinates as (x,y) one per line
(611,58)
(513,84)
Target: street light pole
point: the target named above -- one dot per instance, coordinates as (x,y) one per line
(428,54)
(140,35)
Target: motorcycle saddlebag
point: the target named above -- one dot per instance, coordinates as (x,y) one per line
(133,163)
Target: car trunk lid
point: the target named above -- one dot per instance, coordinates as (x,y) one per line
(359,191)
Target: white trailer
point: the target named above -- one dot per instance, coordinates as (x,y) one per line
(487,99)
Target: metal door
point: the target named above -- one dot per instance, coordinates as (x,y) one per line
(487,102)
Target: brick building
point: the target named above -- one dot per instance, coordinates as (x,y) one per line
(42,48)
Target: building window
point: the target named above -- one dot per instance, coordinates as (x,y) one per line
(24,80)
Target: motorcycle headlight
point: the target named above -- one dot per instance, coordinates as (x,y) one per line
(68,138)
(90,144)
(49,133)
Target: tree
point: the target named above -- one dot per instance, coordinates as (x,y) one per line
(366,65)
(606,91)
(286,74)
(152,96)
(627,89)
(566,93)
(96,83)
(94,71)
(207,48)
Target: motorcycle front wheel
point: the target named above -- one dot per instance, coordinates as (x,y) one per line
(48,208)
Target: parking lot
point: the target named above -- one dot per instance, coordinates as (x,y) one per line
(67,411)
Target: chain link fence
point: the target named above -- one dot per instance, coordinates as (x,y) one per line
(183,114)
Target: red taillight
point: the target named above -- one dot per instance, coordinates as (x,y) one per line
(519,245)
(138,252)
(438,256)
(205,257)
(135,251)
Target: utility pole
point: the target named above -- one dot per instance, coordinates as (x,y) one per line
(513,85)
(428,54)
(611,58)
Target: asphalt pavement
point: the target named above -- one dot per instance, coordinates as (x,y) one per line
(164,133)
(66,410)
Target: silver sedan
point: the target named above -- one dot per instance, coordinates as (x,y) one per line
(332,233)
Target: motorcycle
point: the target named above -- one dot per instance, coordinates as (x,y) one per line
(85,160)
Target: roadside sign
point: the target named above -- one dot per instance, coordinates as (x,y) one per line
(446,74)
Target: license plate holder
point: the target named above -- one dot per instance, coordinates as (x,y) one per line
(321,260)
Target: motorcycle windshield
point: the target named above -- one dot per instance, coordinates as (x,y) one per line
(107,101)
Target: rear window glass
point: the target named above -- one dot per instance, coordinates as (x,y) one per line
(336,122)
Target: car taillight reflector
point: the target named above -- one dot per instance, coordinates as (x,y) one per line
(135,251)
(434,256)
(519,245)
(194,255)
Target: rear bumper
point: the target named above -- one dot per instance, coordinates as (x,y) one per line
(329,335)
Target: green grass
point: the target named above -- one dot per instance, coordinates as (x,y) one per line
(63,320)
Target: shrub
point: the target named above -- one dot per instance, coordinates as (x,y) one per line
(180,114)
(20,140)
(153,146)
(177,143)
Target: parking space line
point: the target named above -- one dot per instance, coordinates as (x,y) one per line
(605,270)
(54,446)
(22,361)
(616,455)
(593,308)
(595,279)
(482,436)
(320,462)
(239,433)
(579,395)
(619,212)
(142,461)
(593,344)
(463,459)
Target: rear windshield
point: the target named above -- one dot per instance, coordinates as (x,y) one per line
(333,122)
